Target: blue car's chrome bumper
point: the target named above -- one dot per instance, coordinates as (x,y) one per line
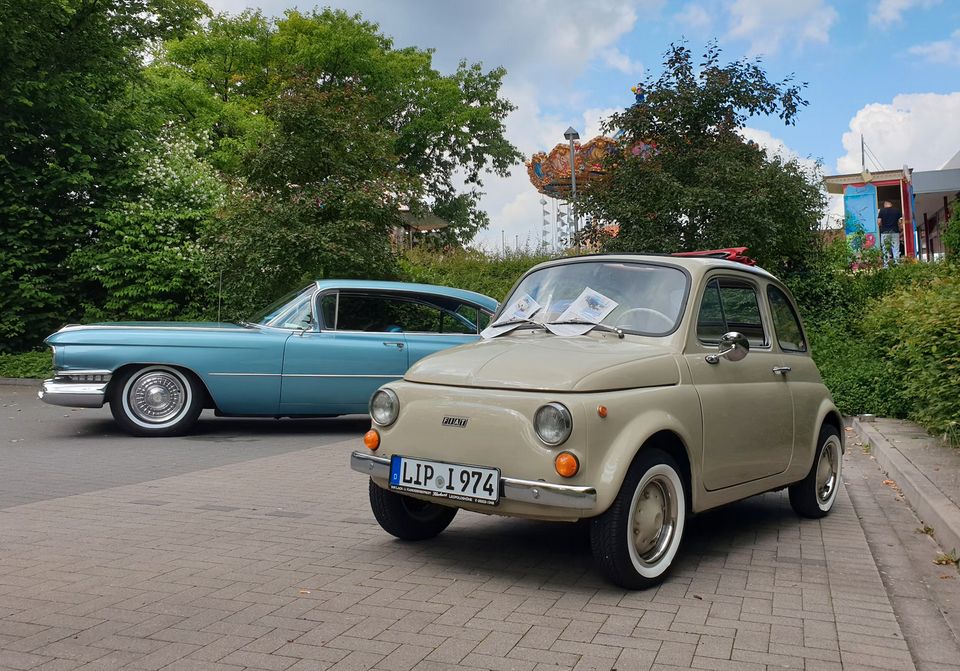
(76,389)
(528,491)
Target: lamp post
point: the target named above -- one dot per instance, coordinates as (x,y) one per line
(571,134)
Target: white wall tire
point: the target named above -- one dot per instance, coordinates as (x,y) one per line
(636,540)
(815,495)
(155,401)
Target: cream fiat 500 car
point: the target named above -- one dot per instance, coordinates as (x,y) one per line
(630,390)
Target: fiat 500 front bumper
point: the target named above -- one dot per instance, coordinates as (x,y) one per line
(512,489)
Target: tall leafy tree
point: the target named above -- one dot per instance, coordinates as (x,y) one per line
(685,178)
(69,70)
(443,132)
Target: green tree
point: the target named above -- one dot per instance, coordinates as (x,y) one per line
(443,132)
(686,178)
(69,77)
(321,195)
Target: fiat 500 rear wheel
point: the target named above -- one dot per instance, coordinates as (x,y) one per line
(636,539)
(156,401)
(814,495)
(408,518)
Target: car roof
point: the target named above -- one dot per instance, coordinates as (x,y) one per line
(696,265)
(434,289)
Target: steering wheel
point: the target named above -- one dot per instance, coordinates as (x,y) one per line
(625,317)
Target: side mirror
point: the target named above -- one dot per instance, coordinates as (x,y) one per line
(733,347)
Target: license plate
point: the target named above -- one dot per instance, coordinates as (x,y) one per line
(457,482)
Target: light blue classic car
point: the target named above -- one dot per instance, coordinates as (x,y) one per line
(319,351)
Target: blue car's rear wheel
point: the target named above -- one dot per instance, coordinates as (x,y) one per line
(155,401)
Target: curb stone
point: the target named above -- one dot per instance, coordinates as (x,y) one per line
(20,381)
(930,504)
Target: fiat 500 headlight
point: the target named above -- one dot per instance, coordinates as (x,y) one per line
(553,423)
(384,407)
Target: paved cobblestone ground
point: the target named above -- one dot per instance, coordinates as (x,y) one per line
(276,563)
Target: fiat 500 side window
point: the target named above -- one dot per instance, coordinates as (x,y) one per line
(786,324)
(730,305)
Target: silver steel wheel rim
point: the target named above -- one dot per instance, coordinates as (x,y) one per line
(156,397)
(654,520)
(828,468)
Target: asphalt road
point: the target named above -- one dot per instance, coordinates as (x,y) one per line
(47,452)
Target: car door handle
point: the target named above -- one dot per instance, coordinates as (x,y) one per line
(781,370)
(398,345)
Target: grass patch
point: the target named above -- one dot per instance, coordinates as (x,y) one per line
(27,365)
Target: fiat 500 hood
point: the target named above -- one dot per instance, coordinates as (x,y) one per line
(550,363)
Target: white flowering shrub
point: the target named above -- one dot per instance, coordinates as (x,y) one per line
(145,261)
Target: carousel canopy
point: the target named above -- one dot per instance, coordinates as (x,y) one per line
(550,172)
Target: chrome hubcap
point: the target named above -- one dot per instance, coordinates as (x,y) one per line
(827,470)
(157,397)
(654,519)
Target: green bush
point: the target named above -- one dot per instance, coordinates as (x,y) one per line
(918,329)
(29,364)
(473,270)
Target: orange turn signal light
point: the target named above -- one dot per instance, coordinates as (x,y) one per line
(602,411)
(567,464)
(371,439)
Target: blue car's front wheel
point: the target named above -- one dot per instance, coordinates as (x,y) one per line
(155,401)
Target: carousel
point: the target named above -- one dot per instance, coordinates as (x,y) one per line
(556,175)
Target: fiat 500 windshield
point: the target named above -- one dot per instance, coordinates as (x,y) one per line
(646,299)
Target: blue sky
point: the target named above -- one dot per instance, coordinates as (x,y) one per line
(889,69)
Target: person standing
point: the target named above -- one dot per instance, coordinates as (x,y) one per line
(890,221)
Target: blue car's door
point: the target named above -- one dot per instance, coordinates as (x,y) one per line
(331,372)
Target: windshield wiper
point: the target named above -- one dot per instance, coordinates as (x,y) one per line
(593,325)
(516,322)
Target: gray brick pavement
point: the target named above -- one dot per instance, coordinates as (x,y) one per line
(207,575)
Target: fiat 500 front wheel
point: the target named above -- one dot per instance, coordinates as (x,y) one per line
(155,401)
(408,518)
(635,541)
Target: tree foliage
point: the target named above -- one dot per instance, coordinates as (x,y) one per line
(144,261)
(440,133)
(685,178)
(69,71)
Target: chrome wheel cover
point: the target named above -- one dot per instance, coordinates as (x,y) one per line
(828,470)
(156,396)
(653,522)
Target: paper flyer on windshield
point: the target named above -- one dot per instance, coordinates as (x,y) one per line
(513,316)
(590,307)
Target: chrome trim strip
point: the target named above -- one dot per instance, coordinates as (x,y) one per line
(85,371)
(246,374)
(104,327)
(73,394)
(391,377)
(514,489)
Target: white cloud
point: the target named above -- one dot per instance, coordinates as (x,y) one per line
(769,24)
(695,18)
(888,12)
(915,129)
(774,146)
(618,60)
(941,51)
